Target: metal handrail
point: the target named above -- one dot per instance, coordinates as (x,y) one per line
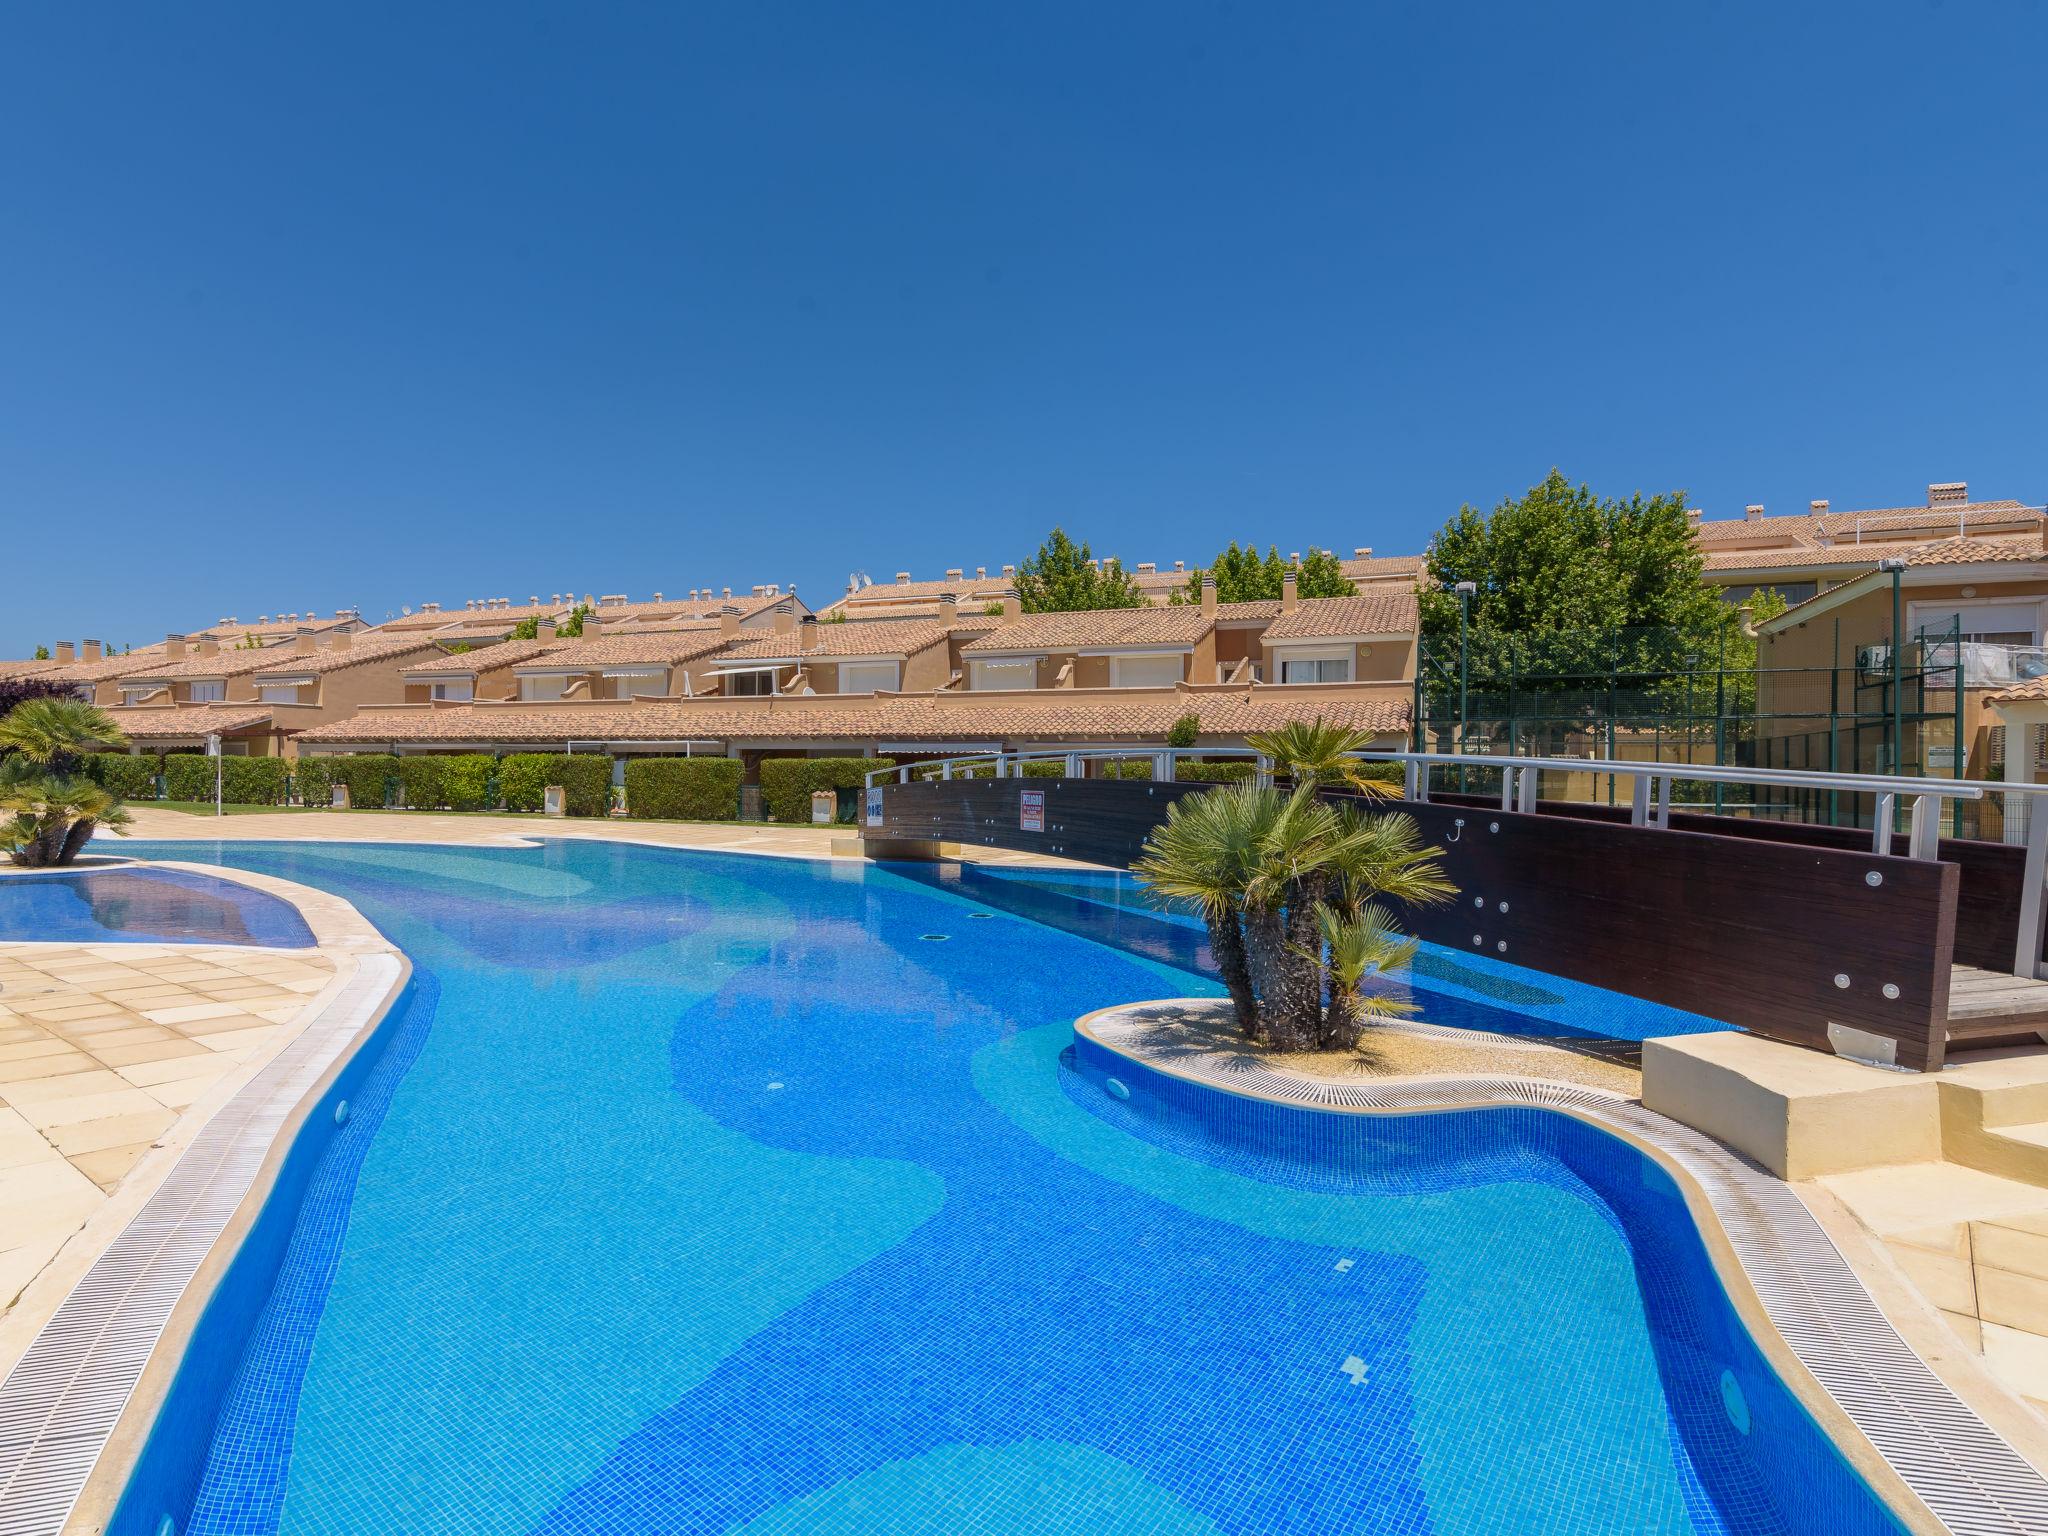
(999,759)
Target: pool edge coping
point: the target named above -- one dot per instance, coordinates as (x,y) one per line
(1928,1484)
(92,1381)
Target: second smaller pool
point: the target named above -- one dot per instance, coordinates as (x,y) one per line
(144,906)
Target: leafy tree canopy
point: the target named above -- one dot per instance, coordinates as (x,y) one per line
(570,628)
(42,653)
(1063,577)
(1560,558)
(1242,576)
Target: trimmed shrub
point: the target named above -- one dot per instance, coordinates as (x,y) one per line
(466,780)
(311,784)
(787,783)
(1184,732)
(523,776)
(456,782)
(243,780)
(365,773)
(684,788)
(124,774)
(1229,771)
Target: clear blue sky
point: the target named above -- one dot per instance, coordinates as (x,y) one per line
(304,306)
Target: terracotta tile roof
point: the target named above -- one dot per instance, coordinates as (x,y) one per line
(12,671)
(979,588)
(1967,551)
(1796,558)
(2032,690)
(1065,715)
(485,658)
(1936,520)
(149,722)
(105,668)
(1370,613)
(1797,527)
(270,630)
(1385,567)
(1162,625)
(232,661)
(864,637)
(511,614)
(633,647)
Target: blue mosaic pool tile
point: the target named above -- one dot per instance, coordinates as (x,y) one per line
(718,1200)
(145,906)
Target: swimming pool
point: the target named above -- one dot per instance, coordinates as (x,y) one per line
(695,1192)
(145,906)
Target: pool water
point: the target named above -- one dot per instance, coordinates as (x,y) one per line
(144,906)
(701,1193)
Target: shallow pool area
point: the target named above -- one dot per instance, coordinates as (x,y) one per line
(702,1193)
(144,906)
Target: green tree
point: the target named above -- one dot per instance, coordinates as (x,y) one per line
(570,628)
(50,808)
(1560,558)
(42,653)
(1242,575)
(1063,577)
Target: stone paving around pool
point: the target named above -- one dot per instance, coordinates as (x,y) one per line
(102,1047)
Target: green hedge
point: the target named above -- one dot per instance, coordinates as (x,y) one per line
(684,788)
(365,773)
(124,774)
(1228,771)
(459,781)
(311,784)
(524,775)
(243,780)
(787,783)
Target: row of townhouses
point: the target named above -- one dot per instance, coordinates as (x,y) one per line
(915,668)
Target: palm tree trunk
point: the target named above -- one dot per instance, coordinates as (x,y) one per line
(1226,943)
(1340,1024)
(1304,957)
(1265,943)
(75,838)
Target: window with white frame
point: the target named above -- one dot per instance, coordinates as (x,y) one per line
(1144,671)
(1012,672)
(868,676)
(142,691)
(542,687)
(211,691)
(1321,666)
(277,693)
(454,689)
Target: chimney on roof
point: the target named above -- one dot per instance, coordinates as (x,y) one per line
(1752,512)
(1818,508)
(956,574)
(949,607)
(1294,557)
(903,578)
(1009,571)
(1208,593)
(728,621)
(1180,567)
(785,617)
(1362,552)
(174,647)
(302,641)
(1013,607)
(1952,493)
(727,594)
(89,650)
(981,573)
(1290,593)
(544,629)
(64,652)
(807,632)
(656,598)
(207,646)
(1148,568)
(340,640)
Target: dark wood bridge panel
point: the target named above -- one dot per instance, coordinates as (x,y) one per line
(1753,929)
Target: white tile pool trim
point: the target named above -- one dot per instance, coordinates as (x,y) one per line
(61,1402)
(1974,1482)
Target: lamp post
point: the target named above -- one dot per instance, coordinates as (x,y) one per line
(1897,568)
(1464,589)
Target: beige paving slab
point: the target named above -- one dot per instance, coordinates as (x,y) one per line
(110,1165)
(125,1100)
(110,1131)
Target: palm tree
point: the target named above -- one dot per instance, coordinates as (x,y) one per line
(1367,944)
(51,819)
(1315,754)
(52,810)
(1275,876)
(54,734)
